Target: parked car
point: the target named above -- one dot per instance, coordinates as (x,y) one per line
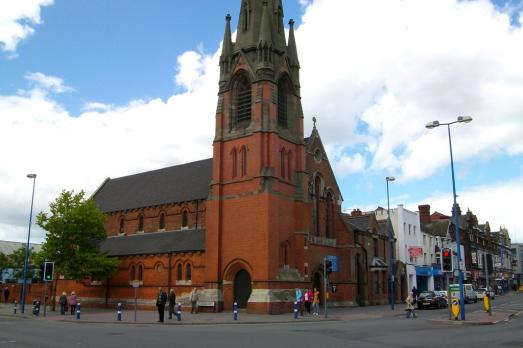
(429,299)
(442,293)
(481,292)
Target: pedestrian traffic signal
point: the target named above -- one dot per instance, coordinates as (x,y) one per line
(328,266)
(446,260)
(48,271)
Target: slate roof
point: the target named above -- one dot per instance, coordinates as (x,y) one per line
(358,223)
(181,183)
(154,243)
(437,228)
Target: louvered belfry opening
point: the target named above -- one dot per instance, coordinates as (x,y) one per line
(283,101)
(243,100)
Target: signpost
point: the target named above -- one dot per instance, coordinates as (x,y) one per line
(330,264)
(135,284)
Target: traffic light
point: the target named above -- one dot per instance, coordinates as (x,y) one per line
(328,265)
(446,260)
(48,271)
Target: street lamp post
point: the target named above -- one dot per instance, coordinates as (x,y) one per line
(391,245)
(26,259)
(434,124)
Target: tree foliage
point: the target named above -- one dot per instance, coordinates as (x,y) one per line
(74,228)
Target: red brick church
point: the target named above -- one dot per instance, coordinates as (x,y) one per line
(256,220)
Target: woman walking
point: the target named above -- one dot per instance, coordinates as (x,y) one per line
(72,302)
(316,302)
(410,302)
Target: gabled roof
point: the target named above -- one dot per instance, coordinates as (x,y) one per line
(357,223)
(181,183)
(154,243)
(437,228)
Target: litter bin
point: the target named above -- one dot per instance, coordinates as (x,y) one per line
(36,307)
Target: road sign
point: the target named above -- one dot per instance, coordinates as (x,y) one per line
(335,262)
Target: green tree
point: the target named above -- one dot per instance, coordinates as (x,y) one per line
(74,228)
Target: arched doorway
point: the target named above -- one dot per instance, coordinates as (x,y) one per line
(242,288)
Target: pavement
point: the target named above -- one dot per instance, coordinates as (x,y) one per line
(106,316)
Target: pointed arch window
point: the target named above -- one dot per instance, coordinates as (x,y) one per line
(132,273)
(317,196)
(188,274)
(122,225)
(329,214)
(243,155)
(234,155)
(140,272)
(289,165)
(162,222)
(282,163)
(185,219)
(284,90)
(179,272)
(140,223)
(243,100)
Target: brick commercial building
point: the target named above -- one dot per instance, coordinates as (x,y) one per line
(255,221)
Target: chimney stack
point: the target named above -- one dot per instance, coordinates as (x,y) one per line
(424,214)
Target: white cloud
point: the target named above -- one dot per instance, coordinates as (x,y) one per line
(495,203)
(411,62)
(17,21)
(79,152)
(47,83)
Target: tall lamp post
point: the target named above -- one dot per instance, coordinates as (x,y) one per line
(391,246)
(26,259)
(434,124)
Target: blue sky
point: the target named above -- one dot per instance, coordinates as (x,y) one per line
(91,89)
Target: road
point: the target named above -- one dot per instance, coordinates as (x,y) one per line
(391,331)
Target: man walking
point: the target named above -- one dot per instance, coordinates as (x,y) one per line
(161,299)
(194,301)
(299,299)
(172,303)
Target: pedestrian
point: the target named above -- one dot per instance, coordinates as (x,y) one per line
(194,301)
(299,300)
(172,302)
(63,303)
(316,302)
(6,294)
(307,301)
(410,302)
(72,302)
(415,292)
(161,300)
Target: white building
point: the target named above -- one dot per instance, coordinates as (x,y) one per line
(409,245)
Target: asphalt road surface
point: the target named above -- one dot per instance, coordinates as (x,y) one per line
(384,332)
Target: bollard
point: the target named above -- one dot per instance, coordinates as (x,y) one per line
(295,310)
(78,311)
(235,311)
(119,312)
(14,307)
(179,314)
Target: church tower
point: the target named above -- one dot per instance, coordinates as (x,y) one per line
(259,186)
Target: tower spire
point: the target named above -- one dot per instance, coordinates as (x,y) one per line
(265,43)
(227,50)
(292,54)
